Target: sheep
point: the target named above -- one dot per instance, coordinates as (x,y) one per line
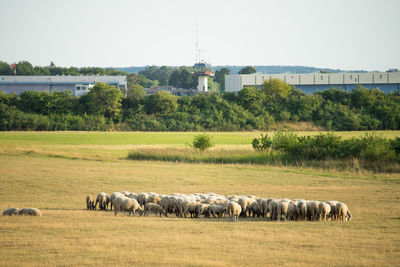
(332,203)
(189,206)
(273,209)
(10,211)
(113,196)
(143,198)
(89,202)
(244,202)
(282,210)
(234,210)
(30,211)
(167,204)
(122,203)
(154,199)
(324,210)
(264,208)
(292,212)
(302,210)
(153,207)
(342,212)
(314,210)
(217,210)
(254,209)
(203,209)
(103,199)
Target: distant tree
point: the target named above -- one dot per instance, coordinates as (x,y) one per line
(24,68)
(135,94)
(161,103)
(103,99)
(250,99)
(183,78)
(275,90)
(140,80)
(220,77)
(247,70)
(4,68)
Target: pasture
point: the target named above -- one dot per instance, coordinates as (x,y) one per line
(55,171)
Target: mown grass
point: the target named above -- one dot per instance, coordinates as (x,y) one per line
(69,235)
(144,138)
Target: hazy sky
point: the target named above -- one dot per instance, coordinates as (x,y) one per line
(345,34)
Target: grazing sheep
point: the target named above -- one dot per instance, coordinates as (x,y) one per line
(103,199)
(332,203)
(244,203)
(153,207)
(342,212)
(234,210)
(10,211)
(143,198)
(123,203)
(282,210)
(113,196)
(254,209)
(167,204)
(292,212)
(202,209)
(89,202)
(30,211)
(154,199)
(302,210)
(273,209)
(324,210)
(189,207)
(217,210)
(264,208)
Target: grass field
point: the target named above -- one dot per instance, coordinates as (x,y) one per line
(69,235)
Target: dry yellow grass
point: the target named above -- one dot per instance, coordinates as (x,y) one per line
(69,235)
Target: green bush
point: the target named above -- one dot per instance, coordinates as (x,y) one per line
(202,142)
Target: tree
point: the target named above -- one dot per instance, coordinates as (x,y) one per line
(202,142)
(250,99)
(220,77)
(183,78)
(103,99)
(24,68)
(4,68)
(247,70)
(161,103)
(275,90)
(140,80)
(134,95)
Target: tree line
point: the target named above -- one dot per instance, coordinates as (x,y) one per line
(105,107)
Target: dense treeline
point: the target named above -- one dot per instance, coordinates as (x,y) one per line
(105,107)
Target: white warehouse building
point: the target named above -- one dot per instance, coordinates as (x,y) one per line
(78,85)
(310,83)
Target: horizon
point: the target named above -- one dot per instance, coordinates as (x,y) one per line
(125,34)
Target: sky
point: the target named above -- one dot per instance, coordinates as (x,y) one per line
(338,34)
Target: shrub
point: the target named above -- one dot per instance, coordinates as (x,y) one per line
(202,142)
(262,143)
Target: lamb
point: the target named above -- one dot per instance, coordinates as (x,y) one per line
(10,212)
(30,211)
(123,203)
(234,210)
(153,207)
(89,202)
(342,212)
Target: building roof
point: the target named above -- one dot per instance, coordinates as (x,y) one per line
(61,79)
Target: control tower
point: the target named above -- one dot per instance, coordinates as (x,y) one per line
(203,71)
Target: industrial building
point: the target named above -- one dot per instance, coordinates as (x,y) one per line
(310,83)
(77,85)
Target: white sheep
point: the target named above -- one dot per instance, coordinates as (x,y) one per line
(10,212)
(234,210)
(30,211)
(123,203)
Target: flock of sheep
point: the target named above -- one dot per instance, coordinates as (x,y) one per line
(23,211)
(210,204)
